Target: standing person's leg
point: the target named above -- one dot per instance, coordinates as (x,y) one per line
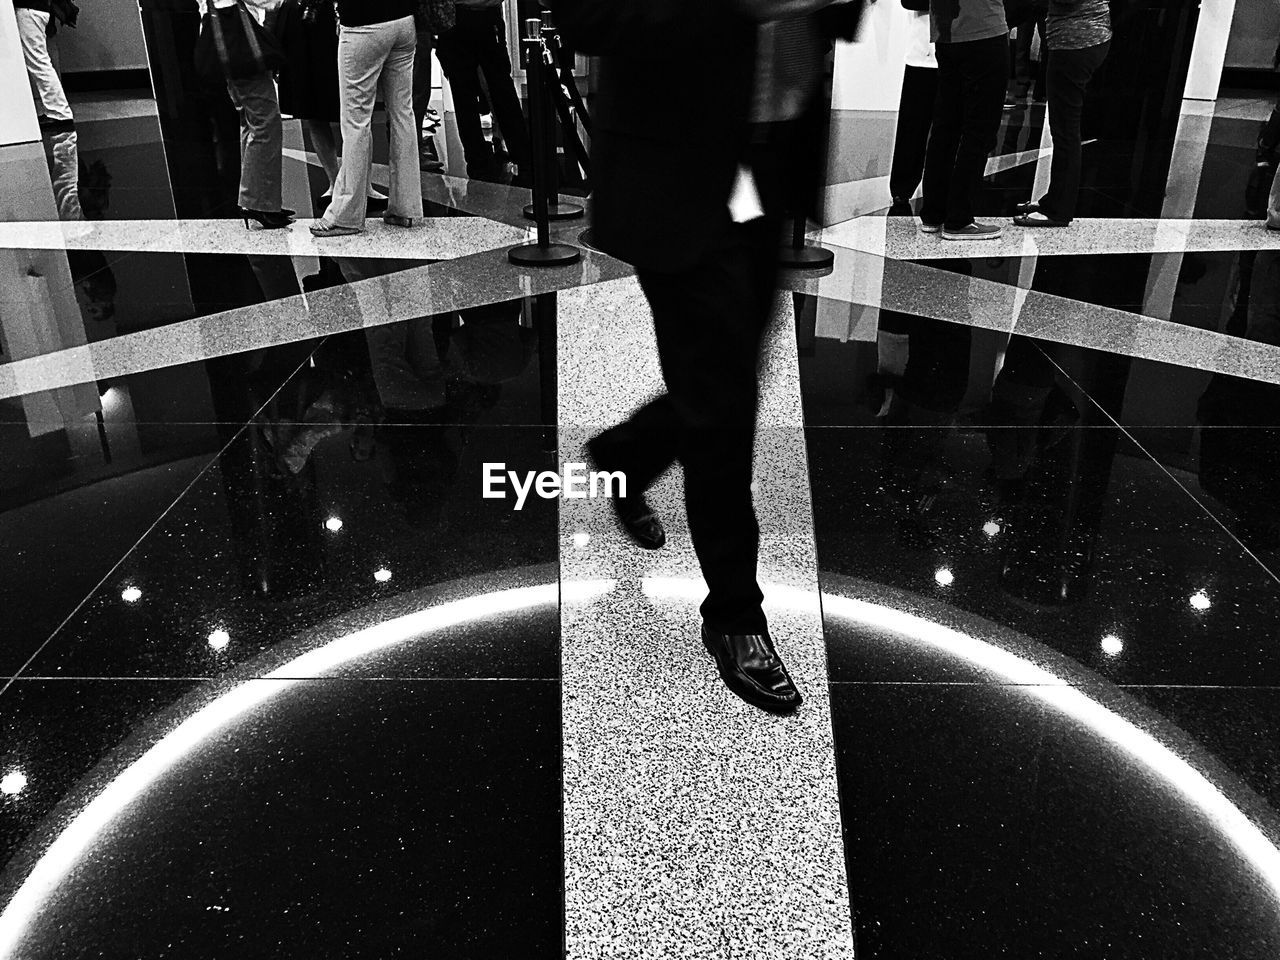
(944,137)
(982,84)
(915,116)
(33,26)
(495,61)
(1022,58)
(397,95)
(261,142)
(362,51)
(456,51)
(422,78)
(325,145)
(1069,76)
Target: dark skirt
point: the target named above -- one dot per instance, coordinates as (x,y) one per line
(309,81)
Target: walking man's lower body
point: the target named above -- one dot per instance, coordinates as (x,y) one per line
(911,138)
(709,320)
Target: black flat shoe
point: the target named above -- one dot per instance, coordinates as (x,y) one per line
(1027,206)
(752,669)
(632,511)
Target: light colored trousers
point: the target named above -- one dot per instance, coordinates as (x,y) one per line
(261,142)
(51,100)
(366,55)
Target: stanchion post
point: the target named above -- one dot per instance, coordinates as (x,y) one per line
(800,255)
(542,253)
(556,209)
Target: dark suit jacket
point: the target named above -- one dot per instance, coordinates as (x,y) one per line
(671,118)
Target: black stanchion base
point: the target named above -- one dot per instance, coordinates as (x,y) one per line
(805,258)
(536,255)
(556,211)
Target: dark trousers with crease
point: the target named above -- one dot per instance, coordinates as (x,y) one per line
(476,45)
(709,321)
(966,122)
(915,117)
(1069,74)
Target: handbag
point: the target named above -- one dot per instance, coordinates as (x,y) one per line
(233,46)
(1018,12)
(436,16)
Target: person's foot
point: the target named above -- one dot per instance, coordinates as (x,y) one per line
(428,159)
(973,231)
(752,669)
(633,511)
(927,227)
(900,208)
(486,121)
(1038,218)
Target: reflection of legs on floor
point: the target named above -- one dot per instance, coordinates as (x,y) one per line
(46,85)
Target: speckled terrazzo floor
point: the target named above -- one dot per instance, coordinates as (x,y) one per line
(694,825)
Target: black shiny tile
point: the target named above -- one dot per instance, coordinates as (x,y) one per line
(366,819)
(995,825)
(1065,535)
(298,524)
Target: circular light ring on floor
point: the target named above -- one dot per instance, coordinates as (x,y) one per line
(79,835)
(1253,845)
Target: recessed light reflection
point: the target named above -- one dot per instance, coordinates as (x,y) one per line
(14,782)
(1112,645)
(1200,600)
(333,524)
(944,576)
(991,528)
(219,639)
(581,539)
(382,575)
(131,595)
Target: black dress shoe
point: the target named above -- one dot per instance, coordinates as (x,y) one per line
(632,511)
(640,521)
(751,668)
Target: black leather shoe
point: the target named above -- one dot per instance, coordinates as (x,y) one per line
(640,522)
(632,511)
(751,668)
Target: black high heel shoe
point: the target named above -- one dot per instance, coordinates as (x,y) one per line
(267,219)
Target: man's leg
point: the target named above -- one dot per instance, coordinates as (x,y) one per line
(982,85)
(456,51)
(1069,76)
(32,29)
(495,61)
(709,322)
(944,137)
(915,116)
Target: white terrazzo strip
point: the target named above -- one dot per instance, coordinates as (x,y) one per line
(925,291)
(899,238)
(402,295)
(695,826)
(433,238)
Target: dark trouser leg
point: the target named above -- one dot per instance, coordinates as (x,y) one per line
(495,61)
(1022,56)
(1069,75)
(459,61)
(944,137)
(422,78)
(709,321)
(982,82)
(915,116)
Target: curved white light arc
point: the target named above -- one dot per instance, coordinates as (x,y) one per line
(80,834)
(1196,789)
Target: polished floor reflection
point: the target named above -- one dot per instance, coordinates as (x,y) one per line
(278,677)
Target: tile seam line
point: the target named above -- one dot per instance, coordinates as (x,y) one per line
(164,513)
(1165,470)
